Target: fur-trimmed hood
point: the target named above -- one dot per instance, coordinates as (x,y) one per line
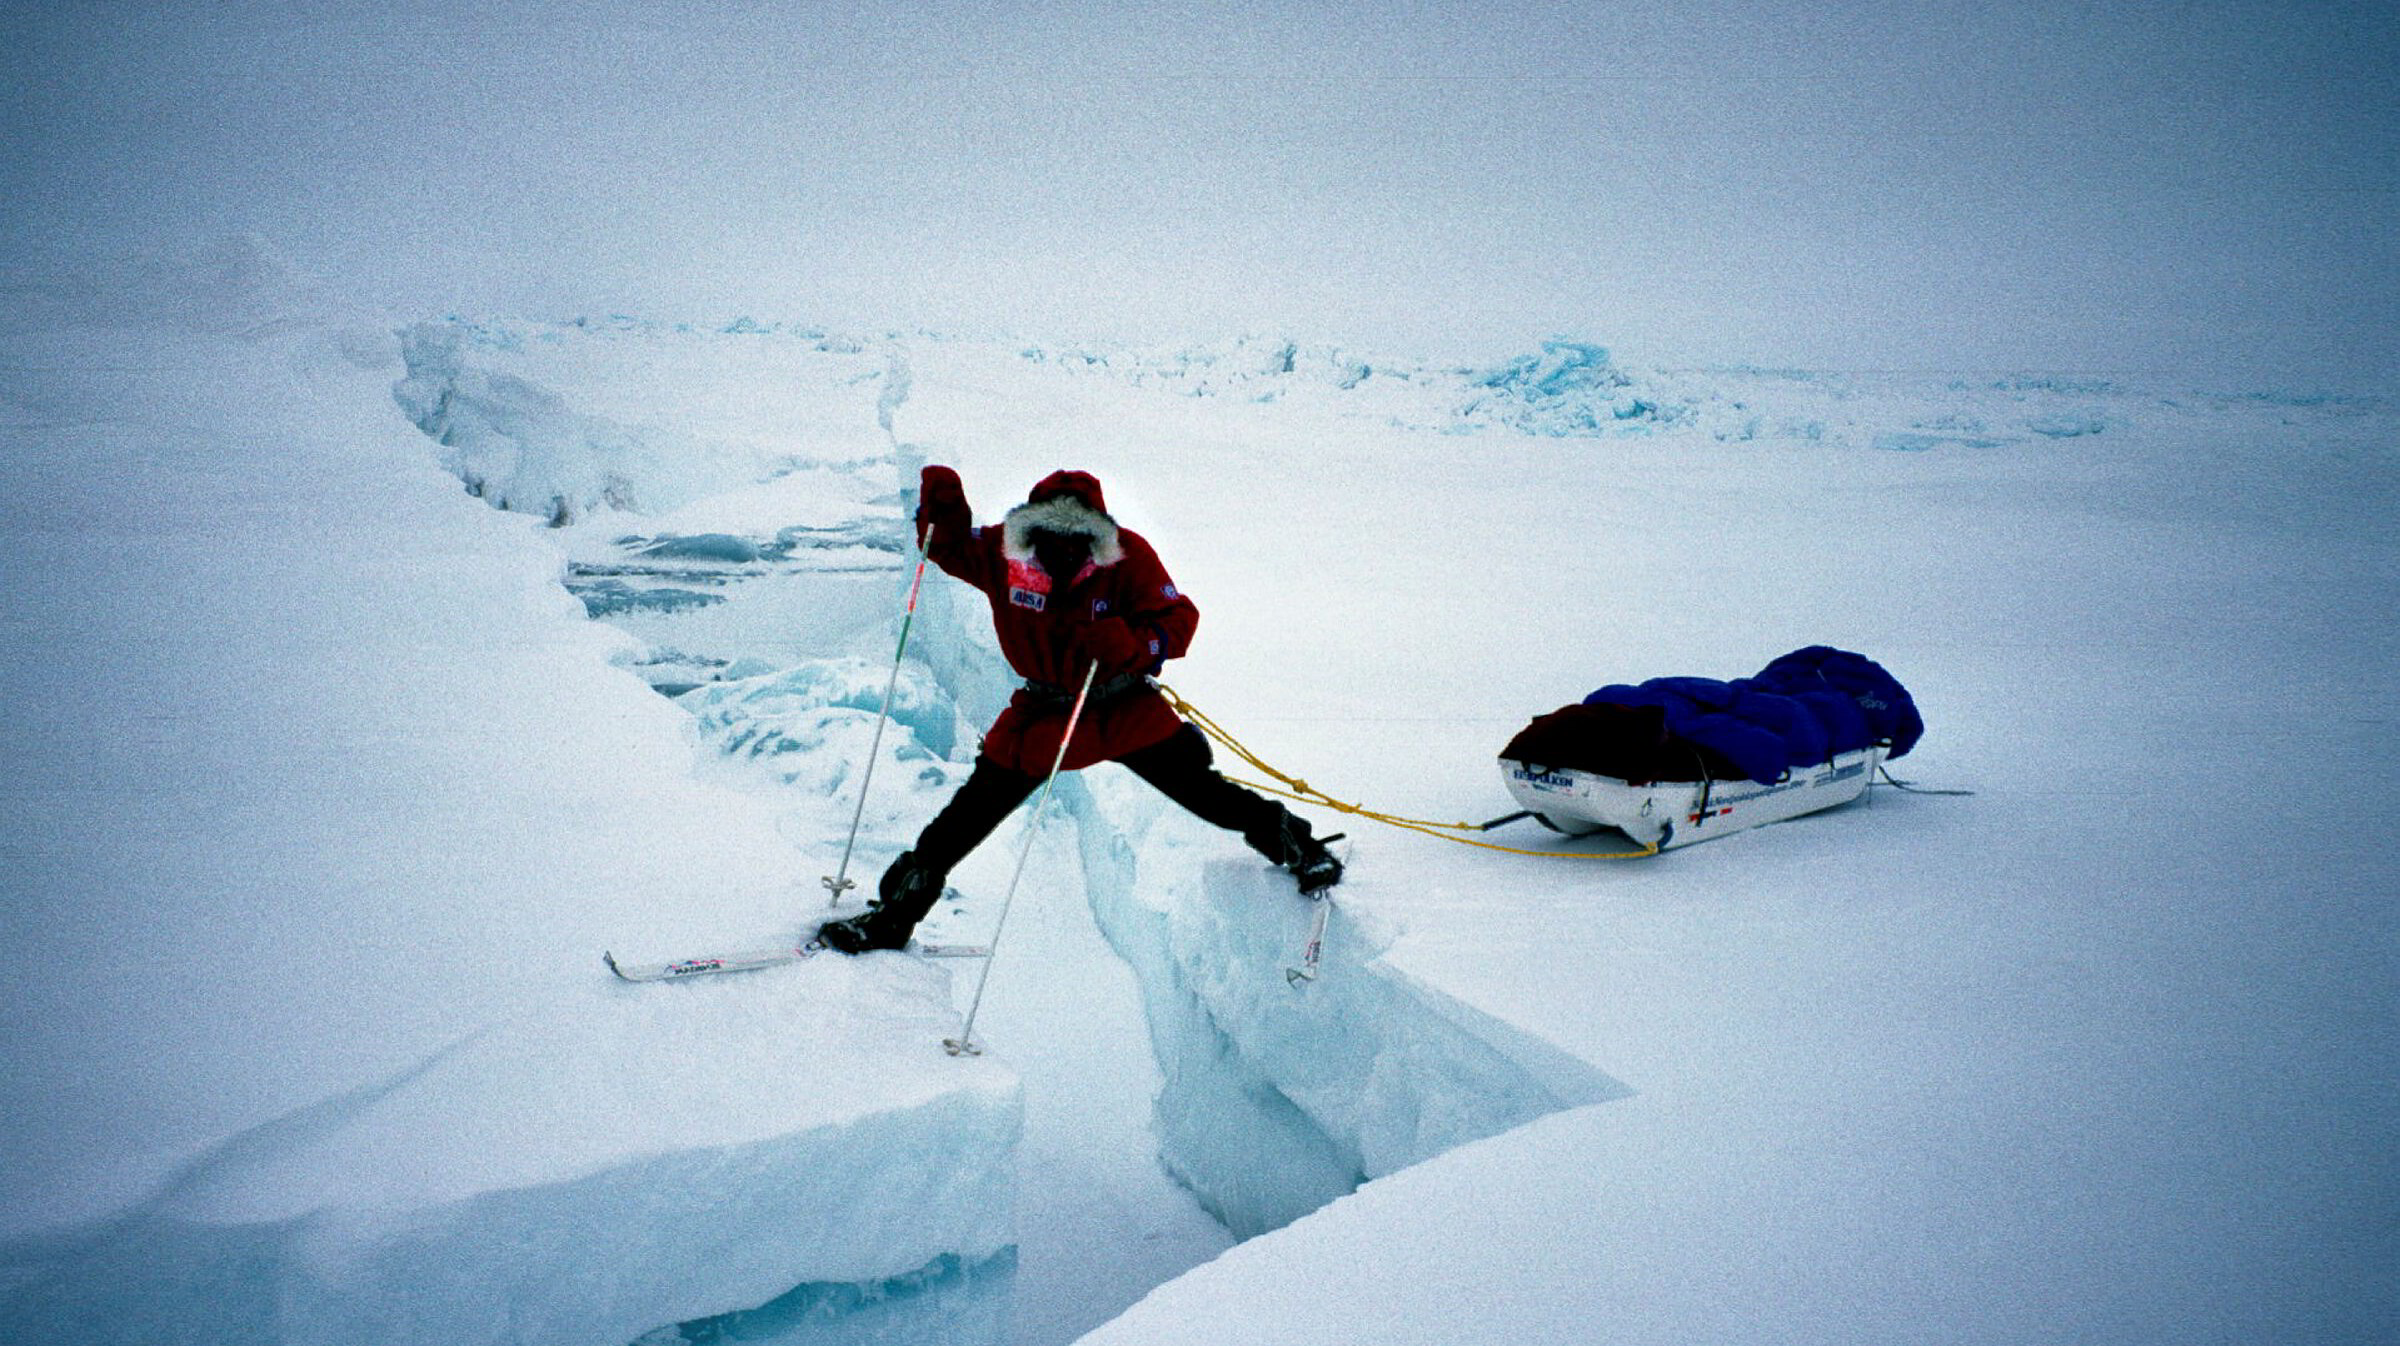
(1062,511)
(1067,481)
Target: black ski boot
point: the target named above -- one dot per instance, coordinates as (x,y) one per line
(907,892)
(1291,845)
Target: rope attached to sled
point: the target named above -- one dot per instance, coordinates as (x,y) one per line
(1301,792)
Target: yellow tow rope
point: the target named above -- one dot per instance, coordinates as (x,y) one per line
(1300,791)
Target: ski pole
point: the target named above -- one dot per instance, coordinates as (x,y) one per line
(964,1043)
(1307,970)
(838,882)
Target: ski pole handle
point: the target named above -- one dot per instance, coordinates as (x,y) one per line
(924,553)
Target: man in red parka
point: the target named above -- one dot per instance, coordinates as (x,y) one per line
(1069,589)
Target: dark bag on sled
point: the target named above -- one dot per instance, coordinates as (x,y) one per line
(1630,743)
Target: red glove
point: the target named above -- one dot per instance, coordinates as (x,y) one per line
(942,503)
(1113,645)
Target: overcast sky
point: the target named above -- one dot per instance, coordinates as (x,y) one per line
(2201,188)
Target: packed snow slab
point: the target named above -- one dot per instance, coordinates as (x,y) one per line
(329,796)
(314,767)
(1598,1226)
(647,1156)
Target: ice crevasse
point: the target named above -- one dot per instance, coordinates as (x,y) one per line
(1283,1095)
(425,1114)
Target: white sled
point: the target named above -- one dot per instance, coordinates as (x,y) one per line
(1678,813)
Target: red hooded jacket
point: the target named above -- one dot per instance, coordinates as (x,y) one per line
(1049,626)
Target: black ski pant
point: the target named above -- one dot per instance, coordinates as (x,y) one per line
(1181,767)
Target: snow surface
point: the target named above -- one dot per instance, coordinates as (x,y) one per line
(326,795)
(324,798)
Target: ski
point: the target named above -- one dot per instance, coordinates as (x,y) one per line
(764,958)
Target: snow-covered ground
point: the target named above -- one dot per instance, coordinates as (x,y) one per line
(327,790)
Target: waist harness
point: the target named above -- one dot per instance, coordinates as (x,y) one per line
(1051,696)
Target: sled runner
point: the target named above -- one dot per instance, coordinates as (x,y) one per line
(1667,814)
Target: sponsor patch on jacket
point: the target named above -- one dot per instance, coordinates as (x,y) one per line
(1028,585)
